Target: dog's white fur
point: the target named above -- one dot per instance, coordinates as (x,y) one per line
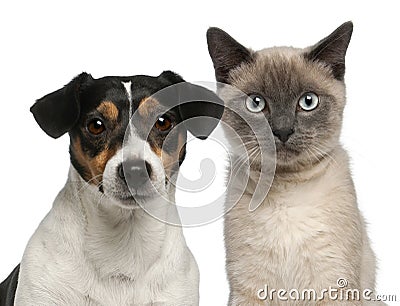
(91,251)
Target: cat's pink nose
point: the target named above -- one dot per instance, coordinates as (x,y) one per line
(283,134)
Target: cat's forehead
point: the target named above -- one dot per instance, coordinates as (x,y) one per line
(279,52)
(282,70)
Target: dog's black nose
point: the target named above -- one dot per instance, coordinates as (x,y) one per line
(135,172)
(283,134)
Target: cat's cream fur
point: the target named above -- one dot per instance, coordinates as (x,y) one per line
(307,233)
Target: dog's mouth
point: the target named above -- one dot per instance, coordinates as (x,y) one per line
(129,194)
(130,202)
(133,198)
(125,198)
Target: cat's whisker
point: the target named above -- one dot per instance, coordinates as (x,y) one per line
(241,160)
(243,137)
(317,156)
(252,140)
(308,155)
(320,151)
(255,158)
(245,145)
(249,151)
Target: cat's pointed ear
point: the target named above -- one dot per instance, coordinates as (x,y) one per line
(332,49)
(57,112)
(226,53)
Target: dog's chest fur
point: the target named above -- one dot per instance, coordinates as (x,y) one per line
(80,256)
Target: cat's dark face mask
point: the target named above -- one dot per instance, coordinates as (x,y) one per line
(301,92)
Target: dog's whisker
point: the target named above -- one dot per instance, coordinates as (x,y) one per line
(88,183)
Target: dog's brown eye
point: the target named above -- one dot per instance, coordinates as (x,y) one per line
(96,126)
(163,123)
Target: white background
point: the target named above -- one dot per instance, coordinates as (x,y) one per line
(45,43)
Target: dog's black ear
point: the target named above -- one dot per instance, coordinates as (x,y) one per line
(57,112)
(332,49)
(197,101)
(170,77)
(193,101)
(226,53)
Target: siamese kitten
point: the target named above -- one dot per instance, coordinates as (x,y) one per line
(308,233)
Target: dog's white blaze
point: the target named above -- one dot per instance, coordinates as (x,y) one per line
(128,90)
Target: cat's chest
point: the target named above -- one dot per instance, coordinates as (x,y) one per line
(291,216)
(284,235)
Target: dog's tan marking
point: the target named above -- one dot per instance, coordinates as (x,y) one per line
(81,158)
(181,146)
(157,150)
(93,167)
(147,106)
(171,160)
(108,110)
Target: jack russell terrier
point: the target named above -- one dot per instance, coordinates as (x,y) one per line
(97,245)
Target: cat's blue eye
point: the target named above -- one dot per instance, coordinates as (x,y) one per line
(309,101)
(255,103)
